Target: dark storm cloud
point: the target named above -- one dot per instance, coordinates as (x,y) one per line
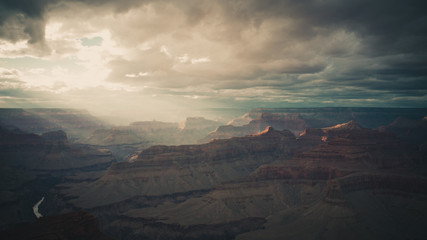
(22,19)
(385,27)
(392,19)
(25,19)
(33,8)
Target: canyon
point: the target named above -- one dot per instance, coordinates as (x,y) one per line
(270,174)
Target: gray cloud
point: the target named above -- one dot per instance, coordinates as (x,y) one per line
(25,20)
(20,19)
(354,52)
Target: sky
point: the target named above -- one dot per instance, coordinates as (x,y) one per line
(167,59)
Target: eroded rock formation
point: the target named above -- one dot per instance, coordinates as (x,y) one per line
(169,169)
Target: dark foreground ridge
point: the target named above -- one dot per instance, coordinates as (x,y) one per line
(75,225)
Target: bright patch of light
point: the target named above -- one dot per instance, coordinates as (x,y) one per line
(164,49)
(8,48)
(52,31)
(140,74)
(186,59)
(183,59)
(200,60)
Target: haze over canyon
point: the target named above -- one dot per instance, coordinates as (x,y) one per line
(213,119)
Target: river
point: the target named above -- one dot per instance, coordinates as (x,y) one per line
(36,208)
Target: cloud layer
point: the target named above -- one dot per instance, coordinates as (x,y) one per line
(215,53)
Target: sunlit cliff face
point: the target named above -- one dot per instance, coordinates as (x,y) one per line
(154,59)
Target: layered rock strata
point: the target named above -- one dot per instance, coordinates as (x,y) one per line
(325,178)
(169,169)
(350,161)
(50,151)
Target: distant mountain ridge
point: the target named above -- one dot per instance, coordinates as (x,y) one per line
(370,117)
(77,123)
(49,151)
(299,119)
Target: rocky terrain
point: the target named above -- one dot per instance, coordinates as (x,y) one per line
(31,164)
(137,132)
(161,170)
(299,119)
(154,132)
(340,180)
(410,130)
(126,141)
(337,163)
(244,187)
(77,123)
(49,151)
(69,226)
(292,122)
(367,117)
